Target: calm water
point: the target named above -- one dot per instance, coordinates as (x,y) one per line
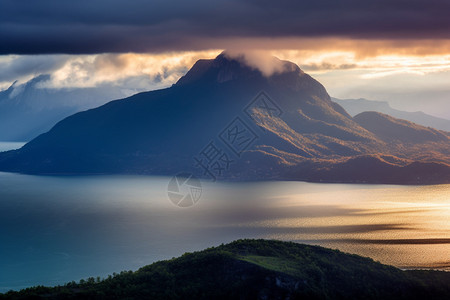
(58,229)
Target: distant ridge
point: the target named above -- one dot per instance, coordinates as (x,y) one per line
(356,106)
(28,109)
(289,129)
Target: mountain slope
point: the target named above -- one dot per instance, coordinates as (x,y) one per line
(356,106)
(257,269)
(282,126)
(391,129)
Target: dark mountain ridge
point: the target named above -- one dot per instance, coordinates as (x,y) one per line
(294,132)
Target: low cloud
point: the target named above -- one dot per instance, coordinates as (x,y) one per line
(260,60)
(25,67)
(151,71)
(129,70)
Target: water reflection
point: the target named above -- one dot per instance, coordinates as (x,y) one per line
(58,229)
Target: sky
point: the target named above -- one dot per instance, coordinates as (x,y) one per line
(392,50)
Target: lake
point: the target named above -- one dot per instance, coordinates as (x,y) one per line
(58,229)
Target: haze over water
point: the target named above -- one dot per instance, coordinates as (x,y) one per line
(57,229)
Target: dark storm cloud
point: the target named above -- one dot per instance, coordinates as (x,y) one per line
(93,26)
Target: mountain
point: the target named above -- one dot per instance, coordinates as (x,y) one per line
(226,120)
(256,269)
(29,109)
(356,106)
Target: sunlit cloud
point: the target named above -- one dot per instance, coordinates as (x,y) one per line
(165,69)
(374,66)
(412,79)
(130,70)
(93,70)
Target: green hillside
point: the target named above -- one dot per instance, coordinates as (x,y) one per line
(256,269)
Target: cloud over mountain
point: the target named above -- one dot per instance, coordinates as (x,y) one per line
(266,64)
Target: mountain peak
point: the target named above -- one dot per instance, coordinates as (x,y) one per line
(238,65)
(268,65)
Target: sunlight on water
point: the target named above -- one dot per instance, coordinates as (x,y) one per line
(58,229)
(405,226)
